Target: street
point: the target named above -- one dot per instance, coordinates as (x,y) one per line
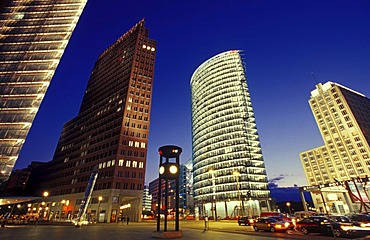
(144,230)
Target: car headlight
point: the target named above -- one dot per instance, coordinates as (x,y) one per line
(286,224)
(278,226)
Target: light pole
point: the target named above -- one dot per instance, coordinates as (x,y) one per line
(45,194)
(237,175)
(61,209)
(288,205)
(99,199)
(214,193)
(29,208)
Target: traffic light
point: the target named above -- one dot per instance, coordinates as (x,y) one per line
(169,170)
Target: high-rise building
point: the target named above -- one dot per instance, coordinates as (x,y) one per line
(110,131)
(147,200)
(229,171)
(154,190)
(33,35)
(342,116)
(186,194)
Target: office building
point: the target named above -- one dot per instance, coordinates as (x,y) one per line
(147,200)
(153,190)
(33,37)
(186,188)
(342,116)
(110,131)
(229,171)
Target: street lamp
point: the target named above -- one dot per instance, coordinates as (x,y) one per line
(100,198)
(45,194)
(214,193)
(61,209)
(288,205)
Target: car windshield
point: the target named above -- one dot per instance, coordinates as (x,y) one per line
(320,219)
(364,218)
(272,220)
(341,219)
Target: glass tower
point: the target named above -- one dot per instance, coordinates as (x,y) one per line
(33,36)
(227,159)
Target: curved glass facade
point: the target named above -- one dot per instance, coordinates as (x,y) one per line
(227,157)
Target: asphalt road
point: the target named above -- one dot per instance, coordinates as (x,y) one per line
(224,230)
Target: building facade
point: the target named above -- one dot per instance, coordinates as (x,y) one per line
(342,116)
(147,200)
(110,131)
(33,37)
(229,171)
(154,189)
(186,188)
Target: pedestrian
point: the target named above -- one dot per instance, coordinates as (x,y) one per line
(206,226)
(128,220)
(3,222)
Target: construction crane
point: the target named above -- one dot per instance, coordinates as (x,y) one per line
(85,201)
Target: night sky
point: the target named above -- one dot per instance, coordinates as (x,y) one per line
(284,42)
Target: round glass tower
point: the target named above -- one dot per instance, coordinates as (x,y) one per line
(229,172)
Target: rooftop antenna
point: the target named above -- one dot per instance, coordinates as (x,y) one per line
(314,78)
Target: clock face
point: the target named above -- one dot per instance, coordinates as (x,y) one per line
(173,169)
(161,170)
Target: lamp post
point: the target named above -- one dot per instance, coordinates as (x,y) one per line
(214,193)
(288,205)
(100,198)
(45,194)
(237,175)
(61,209)
(29,208)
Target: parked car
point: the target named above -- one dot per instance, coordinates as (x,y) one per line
(245,221)
(270,224)
(362,220)
(314,224)
(343,226)
(291,223)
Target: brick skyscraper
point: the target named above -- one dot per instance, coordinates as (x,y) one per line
(110,131)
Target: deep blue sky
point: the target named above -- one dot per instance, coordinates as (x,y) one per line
(284,41)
